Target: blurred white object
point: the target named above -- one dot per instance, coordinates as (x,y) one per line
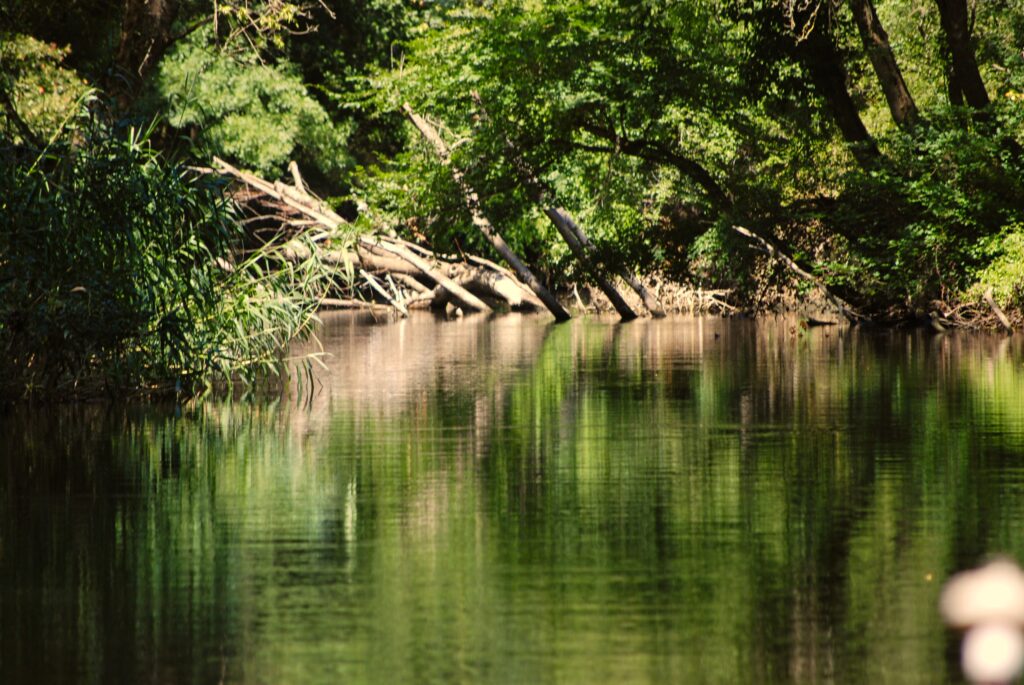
(989,601)
(994,592)
(993,653)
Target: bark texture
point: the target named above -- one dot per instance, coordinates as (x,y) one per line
(145,36)
(876,44)
(823,62)
(966,76)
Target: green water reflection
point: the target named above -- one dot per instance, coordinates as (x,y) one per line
(681,501)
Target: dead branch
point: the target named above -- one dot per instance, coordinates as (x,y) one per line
(844,308)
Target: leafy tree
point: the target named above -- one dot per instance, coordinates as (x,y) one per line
(37,93)
(260,114)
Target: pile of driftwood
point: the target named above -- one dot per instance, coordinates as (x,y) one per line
(384,272)
(388,272)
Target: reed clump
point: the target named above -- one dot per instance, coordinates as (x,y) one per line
(122,271)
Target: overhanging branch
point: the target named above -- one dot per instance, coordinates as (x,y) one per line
(656,151)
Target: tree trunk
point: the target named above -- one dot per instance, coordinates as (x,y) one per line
(876,44)
(958,37)
(649,300)
(956,93)
(145,35)
(828,74)
(561,221)
(472,201)
(574,236)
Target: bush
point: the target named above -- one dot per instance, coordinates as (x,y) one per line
(260,115)
(45,92)
(1005,273)
(920,224)
(115,274)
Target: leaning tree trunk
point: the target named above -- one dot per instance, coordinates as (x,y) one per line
(562,223)
(966,75)
(574,236)
(145,35)
(472,201)
(876,44)
(825,65)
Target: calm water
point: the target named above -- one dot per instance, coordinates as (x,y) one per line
(686,501)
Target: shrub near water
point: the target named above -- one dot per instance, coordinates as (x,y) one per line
(1005,273)
(114,275)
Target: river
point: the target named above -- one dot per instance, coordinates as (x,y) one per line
(513,501)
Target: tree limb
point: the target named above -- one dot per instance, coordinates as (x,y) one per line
(656,151)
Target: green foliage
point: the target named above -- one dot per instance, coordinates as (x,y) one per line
(44,92)
(920,225)
(260,115)
(713,259)
(653,126)
(653,123)
(116,274)
(548,76)
(1004,273)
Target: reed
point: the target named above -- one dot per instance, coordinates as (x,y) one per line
(122,271)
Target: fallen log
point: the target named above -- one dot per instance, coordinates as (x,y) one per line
(410,282)
(384,262)
(486,278)
(324,215)
(490,282)
(457,272)
(650,301)
(991,302)
(383,292)
(468,299)
(296,251)
(472,202)
(391,257)
(578,242)
(351,303)
(528,296)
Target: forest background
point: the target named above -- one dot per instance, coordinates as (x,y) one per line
(879,144)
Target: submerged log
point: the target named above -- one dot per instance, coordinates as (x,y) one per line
(472,202)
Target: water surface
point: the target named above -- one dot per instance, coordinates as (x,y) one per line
(511,501)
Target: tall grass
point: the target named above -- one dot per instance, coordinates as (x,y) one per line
(119,273)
